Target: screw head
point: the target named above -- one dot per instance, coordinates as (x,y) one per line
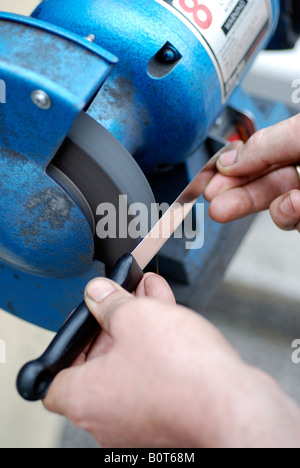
(41,99)
(91,38)
(168,55)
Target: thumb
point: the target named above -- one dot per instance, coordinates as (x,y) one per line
(103,299)
(285,211)
(270,148)
(156,287)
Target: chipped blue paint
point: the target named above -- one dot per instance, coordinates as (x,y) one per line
(42,232)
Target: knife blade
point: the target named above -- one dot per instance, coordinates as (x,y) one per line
(81,328)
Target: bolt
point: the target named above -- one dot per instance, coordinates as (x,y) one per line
(169,54)
(91,38)
(41,99)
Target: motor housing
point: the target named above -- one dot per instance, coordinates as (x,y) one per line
(160,106)
(156,82)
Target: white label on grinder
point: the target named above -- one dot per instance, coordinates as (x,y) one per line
(230,30)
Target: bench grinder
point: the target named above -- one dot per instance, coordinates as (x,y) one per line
(104,98)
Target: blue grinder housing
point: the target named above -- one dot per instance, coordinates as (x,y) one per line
(154,85)
(160,120)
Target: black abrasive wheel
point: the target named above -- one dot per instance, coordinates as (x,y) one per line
(94,168)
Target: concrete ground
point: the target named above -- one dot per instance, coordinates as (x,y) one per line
(257,307)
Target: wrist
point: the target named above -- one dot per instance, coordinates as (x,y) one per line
(245,408)
(257,414)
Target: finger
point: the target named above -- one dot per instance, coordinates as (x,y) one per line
(285,211)
(254,197)
(100,346)
(157,287)
(221,183)
(58,397)
(103,297)
(279,144)
(82,356)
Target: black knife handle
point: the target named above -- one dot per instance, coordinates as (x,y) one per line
(76,334)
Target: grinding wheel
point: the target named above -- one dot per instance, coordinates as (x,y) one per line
(94,168)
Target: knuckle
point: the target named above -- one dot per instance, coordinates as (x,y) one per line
(255,144)
(251,201)
(123,308)
(255,140)
(76,412)
(291,127)
(287,179)
(135,309)
(294,127)
(49,404)
(122,313)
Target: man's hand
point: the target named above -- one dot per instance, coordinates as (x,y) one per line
(160,375)
(261,175)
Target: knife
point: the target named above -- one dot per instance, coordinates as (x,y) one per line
(81,328)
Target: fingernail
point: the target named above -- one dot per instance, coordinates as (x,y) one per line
(99,289)
(287,206)
(229,158)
